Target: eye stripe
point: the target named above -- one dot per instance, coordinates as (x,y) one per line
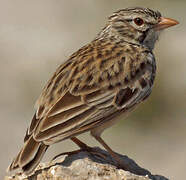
(150,23)
(129,20)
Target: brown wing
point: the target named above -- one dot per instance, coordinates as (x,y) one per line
(93,84)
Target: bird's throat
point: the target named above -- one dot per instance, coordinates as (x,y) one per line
(150,39)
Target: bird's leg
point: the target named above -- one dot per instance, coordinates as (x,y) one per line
(121,164)
(79,143)
(85,147)
(82,146)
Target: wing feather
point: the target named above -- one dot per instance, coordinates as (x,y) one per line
(94,120)
(68,125)
(90,91)
(67,102)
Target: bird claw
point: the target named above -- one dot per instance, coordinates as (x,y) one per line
(66,153)
(88,149)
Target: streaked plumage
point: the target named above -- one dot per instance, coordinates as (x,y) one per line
(102,80)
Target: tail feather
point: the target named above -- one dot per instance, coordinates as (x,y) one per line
(28,168)
(14,165)
(29,151)
(29,156)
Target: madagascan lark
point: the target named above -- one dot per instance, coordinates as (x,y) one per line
(106,78)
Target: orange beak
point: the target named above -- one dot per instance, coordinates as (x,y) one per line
(165,23)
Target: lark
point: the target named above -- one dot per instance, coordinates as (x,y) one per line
(106,78)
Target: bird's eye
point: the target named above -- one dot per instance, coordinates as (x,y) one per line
(138,21)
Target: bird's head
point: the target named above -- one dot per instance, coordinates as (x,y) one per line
(137,25)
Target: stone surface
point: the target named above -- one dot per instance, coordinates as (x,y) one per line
(83,165)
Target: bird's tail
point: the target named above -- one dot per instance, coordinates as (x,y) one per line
(29,156)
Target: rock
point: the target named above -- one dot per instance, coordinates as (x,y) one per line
(83,165)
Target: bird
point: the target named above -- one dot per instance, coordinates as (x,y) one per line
(96,86)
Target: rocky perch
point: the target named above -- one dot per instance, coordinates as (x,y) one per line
(83,165)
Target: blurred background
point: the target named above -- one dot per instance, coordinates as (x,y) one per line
(37,36)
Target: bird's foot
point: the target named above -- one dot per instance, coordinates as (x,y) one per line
(83,147)
(66,153)
(88,149)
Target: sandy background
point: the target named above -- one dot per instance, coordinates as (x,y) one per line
(36,36)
